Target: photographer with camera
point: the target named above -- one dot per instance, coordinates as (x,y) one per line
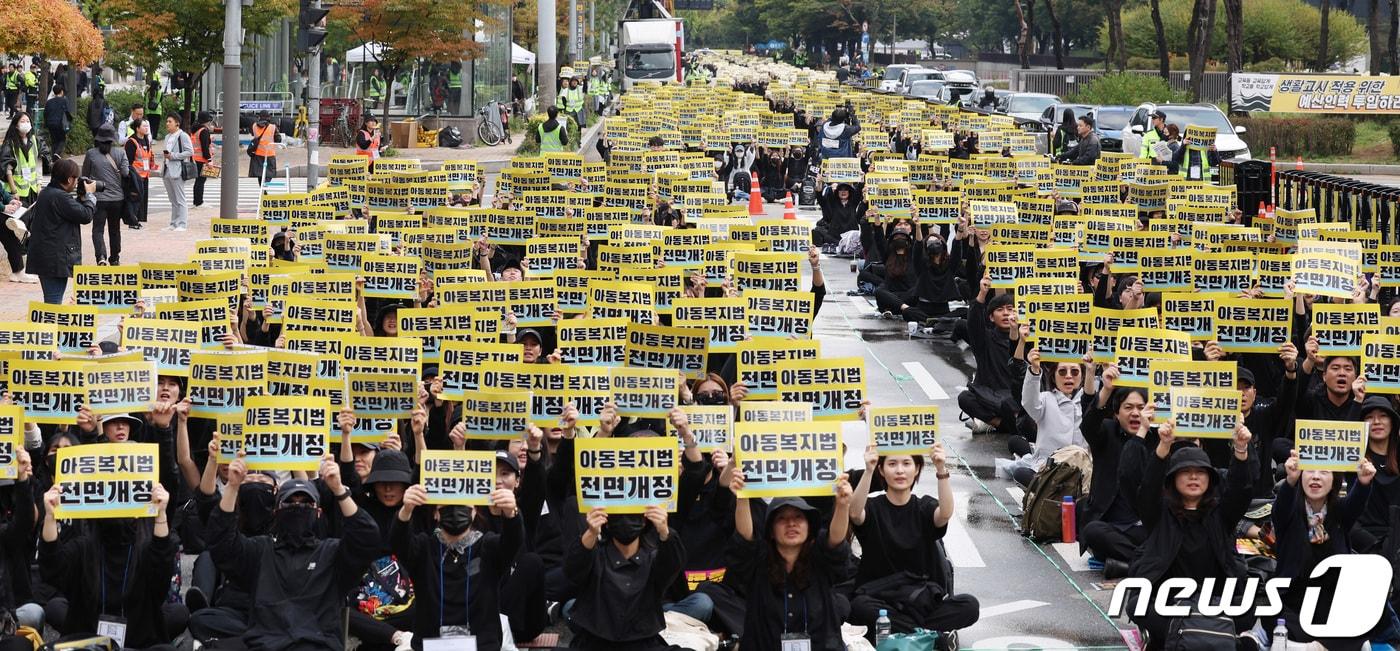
(55,236)
(107,164)
(834,135)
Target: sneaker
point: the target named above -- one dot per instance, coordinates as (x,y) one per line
(403,641)
(887,315)
(18,228)
(102,262)
(135,226)
(946,641)
(829,249)
(180,229)
(977,426)
(113,261)
(164,229)
(21,277)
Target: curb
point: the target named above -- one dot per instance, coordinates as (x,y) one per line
(1345,168)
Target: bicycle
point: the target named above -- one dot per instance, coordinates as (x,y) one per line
(491,126)
(341,131)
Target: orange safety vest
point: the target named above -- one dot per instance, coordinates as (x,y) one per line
(373,151)
(200,156)
(145,162)
(267,147)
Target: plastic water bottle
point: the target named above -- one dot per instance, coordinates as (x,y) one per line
(1067,529)
(882,628)
(1280,637)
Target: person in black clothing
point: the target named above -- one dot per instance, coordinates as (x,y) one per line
(1190,519)
(1116,428)
(17,545)
(899,533)
(988,101)
(1064,135)
(1311,524)
(457,569)
(843,210)
(771,170)
(988,397)
(1383,449)
(1086,150)
(934,272)
(704,521)
(517,95)
(1341,392)
(58,117)
(55,239)
(898,277)
(298,581)
(789,570)
(385,598)
(795,168)
(118,568)
(620,577)
(1267,418)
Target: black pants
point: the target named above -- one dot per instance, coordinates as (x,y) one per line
(108,217)
(773,193)
(523,600)
(1106,541)
(58,138)
(986,404)
(823,234)
(176,617)
(217,623)
(955,612)
(199,184)
(377,635)
(873,274)
(11,96)
(138,195)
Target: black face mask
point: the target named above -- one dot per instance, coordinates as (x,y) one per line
(455,519)
(104,147)
(625,529)
(294,525)
(117,531)
(255,503)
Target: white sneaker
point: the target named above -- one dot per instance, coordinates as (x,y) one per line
(21,277)
(977,426)
(18,228)
(403,641)
(167,229)
(180,229)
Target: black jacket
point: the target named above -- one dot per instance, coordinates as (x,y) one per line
(840,217)
(1108,444)
(1086,152)
(17,546)
(1166,530)
(55,239)
(298,593)
(766,610)
(423,555)
(83,569)
(991,348)
(1291,526)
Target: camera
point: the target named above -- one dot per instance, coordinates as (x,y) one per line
(84,180)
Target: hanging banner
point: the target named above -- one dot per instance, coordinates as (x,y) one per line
(904,430)
(107,480)
(284,435)
(626,475)
(1332,445)
(788,459)
(464,477)
(1330,94)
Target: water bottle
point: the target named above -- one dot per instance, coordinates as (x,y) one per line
(1067,531)
(882,627)
(1280,637)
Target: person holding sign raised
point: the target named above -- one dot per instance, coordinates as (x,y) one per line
(1191,518)
(113,578)
(843,211)
(385,595)
(789,571)
(457,569)
(1058,412)
(988,402)
(16,541)
(899,533)
(1108,521)
(1341,392)
(297,581)
(1383,450)
(1311,522)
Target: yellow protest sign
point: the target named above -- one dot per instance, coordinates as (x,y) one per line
(1167,270)
(788,459)
(724,318)
(11,440)
(304,314)
(390,276)
(283,435)
(626,475)
(496,415)
(712,426)
(662,347)
(1205,413)
(107,480)
(120,388)
(222,381)
(1253,325)
(462,361)
(643,392)
(464,477)
(1107,322)
(1339,327)
(50,391)
(113,290)
(1064,338)
(1332,445)
(835,386)
(595,342)
(1325,274)
(758,362)
(1168,374)
(1135,348)
(904,430)
(76,324)
(616,299)
(1380,363)
(1190,313)
(438,326)
(1008,262)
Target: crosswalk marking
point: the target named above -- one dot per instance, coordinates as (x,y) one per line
(1011,607)
(248,193)
(961,550)
(1017,493)
(1073,560)
(931,388)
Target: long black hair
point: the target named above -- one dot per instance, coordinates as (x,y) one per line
(801,575)
(13,136)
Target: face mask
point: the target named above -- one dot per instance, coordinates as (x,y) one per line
(625,528)
(117,531)
(104,147)
(294,525)
(255,503)
(24,127)
(455,519)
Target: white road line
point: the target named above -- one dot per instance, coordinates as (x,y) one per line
(1017,493)
(1073,560)
(931,388)
(862,306)
(1012,607)
(961,550)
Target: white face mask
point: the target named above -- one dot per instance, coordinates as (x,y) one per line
(24,127)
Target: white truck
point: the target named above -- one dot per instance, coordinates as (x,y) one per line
(650,50)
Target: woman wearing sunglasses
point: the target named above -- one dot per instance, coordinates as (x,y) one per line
(1057,411)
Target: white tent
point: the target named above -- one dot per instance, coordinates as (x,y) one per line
(364,54)
(521,55)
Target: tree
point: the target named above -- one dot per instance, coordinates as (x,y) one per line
(187,34)
(408,30)
(1280,33)
(1234,35)
(51,27)
(1023,41)
(1117,52)
(1394,31)
(1057,39)
(1373,30)
(1322,61)
(1199,34)
(1164,61)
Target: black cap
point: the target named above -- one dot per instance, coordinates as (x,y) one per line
(296,487)
(1189,457)
(1382,403)
(390,466)
(795,502)
(1159,114)
(504,457)
(1244,375)
(529,332)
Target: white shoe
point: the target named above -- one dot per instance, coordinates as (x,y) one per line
(403,641)
(179,229)
(18,228)
(167,229)
(21,277)
(977,426)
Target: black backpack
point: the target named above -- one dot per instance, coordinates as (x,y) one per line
(1040,510)
(1197,632)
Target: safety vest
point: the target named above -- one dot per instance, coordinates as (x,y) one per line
(454,80)
(12,81)
(200,156)
(373,151)
(1148,140)
(27,171)
(1201,161)
(597,86)
(144,162)
(575,97)
(30,80)
(267,146)
(376,88)
(550,140)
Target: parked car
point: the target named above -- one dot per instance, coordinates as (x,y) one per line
(890,82)
(961,86)
(930,89)
(1050,118)
(1111,123)
(1026,106)
(1228,143)
(908,77)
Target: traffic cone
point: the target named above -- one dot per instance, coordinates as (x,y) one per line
(1298,165)
(755,197)
(789,211)
(1263,215)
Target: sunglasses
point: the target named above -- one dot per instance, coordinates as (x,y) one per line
(710,395)
(1067,371)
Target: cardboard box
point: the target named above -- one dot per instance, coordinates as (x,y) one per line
(404,134)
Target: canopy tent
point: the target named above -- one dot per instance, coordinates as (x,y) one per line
(368,52)
(521,55)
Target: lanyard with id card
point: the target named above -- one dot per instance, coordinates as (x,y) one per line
(114,628)
(452,638)
(795,641)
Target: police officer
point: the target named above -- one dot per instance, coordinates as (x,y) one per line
(1154,135)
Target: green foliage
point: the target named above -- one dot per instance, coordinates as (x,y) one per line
(1282,30)
(1299,136)
(530,146)
(1128,88)
(1394,132)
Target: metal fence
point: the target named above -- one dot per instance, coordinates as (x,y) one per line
(1215,87)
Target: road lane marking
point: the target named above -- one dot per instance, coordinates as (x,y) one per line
(961,550)
(931,388)
(1012,607)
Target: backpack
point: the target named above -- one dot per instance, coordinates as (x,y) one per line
(1197,632)
(1065,473)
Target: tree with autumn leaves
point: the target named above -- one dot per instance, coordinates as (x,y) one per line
(53,28)
(405,31)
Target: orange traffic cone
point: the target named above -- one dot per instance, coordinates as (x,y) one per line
(1263,215)
(755,197)
(789,211)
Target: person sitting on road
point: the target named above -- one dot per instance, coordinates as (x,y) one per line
(987,402)
(1107,519)
(1058,412)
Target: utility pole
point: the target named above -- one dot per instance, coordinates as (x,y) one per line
(547,36)
(573,31)
(312,22)
(233,51)
(592,32)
